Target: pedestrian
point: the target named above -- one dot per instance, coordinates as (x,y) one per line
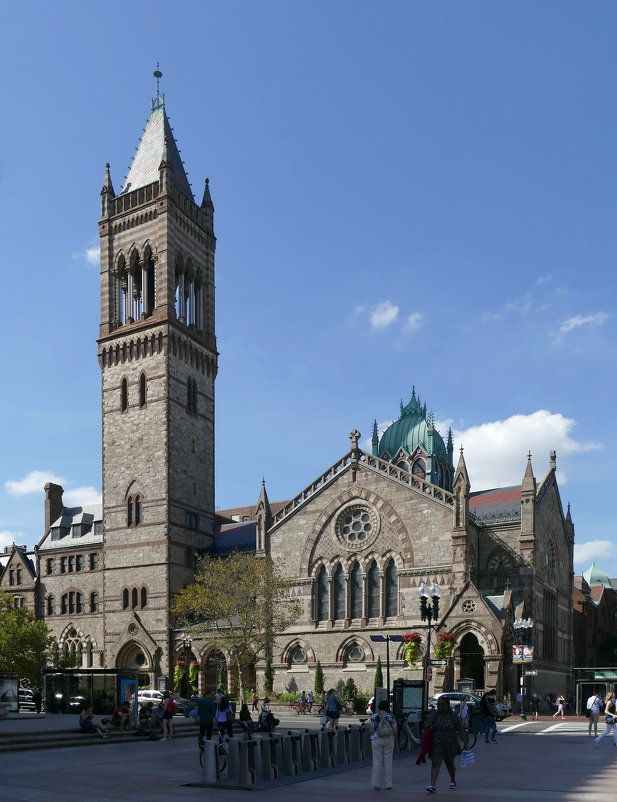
(206,711)
(309,701)
(254,702)
(489,711)
(303,702)
(224,717)
(593,711)
(333,708)
(169,709)
(611,722)
(535,706)
(519,702)
(87,725)
(37,698)
(382,726)
(447,732)
(121,717)
(561,702)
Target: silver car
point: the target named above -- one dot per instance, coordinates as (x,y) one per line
(456,697)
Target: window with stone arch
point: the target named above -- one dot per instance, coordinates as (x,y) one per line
(297,655)
(338,590)
(94,602)
(323,597)
(419,469)
(124,395)
(125,599)
(354,653)
(391,583)
(355,591)
(373,595)
(142,390)
(51,605)
(134,599)
(144,598)
(499,568)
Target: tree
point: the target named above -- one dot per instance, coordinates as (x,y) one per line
(378,674)
(268,677)
(23,641)
(318,679)
(238,604)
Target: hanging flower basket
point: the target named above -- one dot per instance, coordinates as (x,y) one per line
(444,646)
(411,649)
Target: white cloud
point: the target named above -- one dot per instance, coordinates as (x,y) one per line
(496,452)
(593,551)
(414,321)
(544,279)
(82,497)
(8,538)
(383,314)
(367,443)
(92,255)
(34,482)
(578,321)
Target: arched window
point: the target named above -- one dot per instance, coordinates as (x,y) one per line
(391,589)
(354,653)
(144,598)
(419,469)
(94,602)
(373,590)
(137,510)
(323,598)
(124,395)
(355,589)
(51,605)
(125,599)
(129,511)
(338,586)
(142,390)
(298,655)
(134,598)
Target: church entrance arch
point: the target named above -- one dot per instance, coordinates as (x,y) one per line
(215,671)
(471,660)
(134,657)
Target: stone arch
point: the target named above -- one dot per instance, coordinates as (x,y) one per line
(291,648)
(326,520)
(136,656)
(345,645)
(499,567)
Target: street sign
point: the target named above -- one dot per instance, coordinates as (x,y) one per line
(533,673)
(438,662)
(429,674)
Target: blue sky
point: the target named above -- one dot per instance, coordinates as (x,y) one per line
(407,193)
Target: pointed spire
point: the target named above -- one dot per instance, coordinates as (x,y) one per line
(450,444)
(206,202)
(263,498)
(461,475)
(108,187)
(375,439)
(529,481)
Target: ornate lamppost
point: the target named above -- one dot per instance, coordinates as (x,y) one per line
(429,611)
(523,629)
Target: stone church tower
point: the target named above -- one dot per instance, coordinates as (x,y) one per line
(158,359)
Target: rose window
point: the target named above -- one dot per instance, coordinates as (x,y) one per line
(356,527)
(469,606)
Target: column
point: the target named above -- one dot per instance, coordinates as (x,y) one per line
(145,299)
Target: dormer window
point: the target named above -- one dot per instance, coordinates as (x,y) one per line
(77,530)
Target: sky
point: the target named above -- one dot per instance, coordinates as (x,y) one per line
(408,194)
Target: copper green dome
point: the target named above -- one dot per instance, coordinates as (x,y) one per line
(594,576)
(413,443)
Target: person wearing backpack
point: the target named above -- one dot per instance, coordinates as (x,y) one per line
(333,708)
(382,726)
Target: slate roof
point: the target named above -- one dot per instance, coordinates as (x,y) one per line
(498,506)
(234,537)
(144,168)
(74,516)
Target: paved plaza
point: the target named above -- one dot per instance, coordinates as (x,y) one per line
(546,760)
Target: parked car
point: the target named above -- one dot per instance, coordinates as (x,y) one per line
(456,697)
(26,701)
(143,697)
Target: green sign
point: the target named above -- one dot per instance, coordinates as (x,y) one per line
(605,675)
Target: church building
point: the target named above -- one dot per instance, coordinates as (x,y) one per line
(358,543)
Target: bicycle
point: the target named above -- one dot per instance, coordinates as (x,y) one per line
(405,735)
(222,750)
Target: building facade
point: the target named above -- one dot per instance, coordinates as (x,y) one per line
(357,543)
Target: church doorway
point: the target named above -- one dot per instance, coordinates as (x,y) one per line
(131,656)
(472,660)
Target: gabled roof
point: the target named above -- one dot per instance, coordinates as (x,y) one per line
(156,143)
(498,506)
(62,535)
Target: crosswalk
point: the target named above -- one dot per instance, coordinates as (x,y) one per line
(560,728)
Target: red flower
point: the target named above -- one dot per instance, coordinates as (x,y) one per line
(446,637)
(412,637)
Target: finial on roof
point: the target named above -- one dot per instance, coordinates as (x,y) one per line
(529,456)
(159,100)
(206,202)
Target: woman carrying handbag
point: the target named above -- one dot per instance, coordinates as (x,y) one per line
(611,721)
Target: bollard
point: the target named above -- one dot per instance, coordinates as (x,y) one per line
(310,751)
(326,749)
(210,773)
(366,744)
(355,746)
(292,758)
(269,765)
(342,746)
(238,764)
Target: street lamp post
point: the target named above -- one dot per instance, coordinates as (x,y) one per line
(387,639)
(522,629)
(187,642)
(429,611)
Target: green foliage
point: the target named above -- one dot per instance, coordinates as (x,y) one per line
(193,673)
(378,674)
(23,641)
(349,690)
(360,703)
(63,660)
(268,677)
(287,697)
(178,674)
(237,604)
(319,681)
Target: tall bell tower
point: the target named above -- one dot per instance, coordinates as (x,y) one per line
(158,359)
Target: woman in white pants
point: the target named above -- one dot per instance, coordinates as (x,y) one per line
(382,726)
(611,719)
